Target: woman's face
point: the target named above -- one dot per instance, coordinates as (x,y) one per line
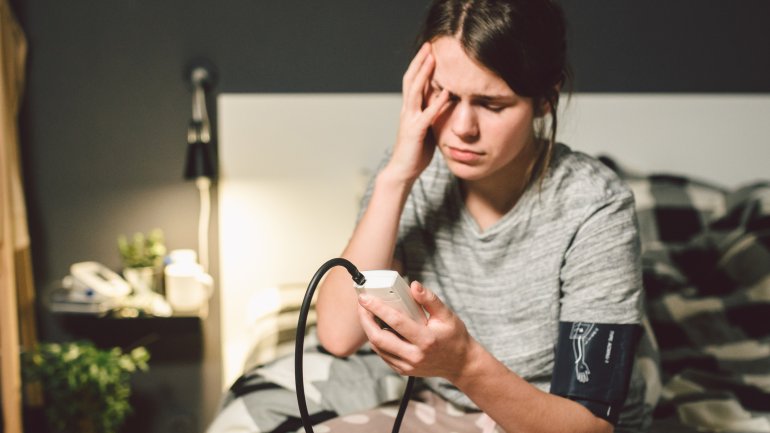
(486,127)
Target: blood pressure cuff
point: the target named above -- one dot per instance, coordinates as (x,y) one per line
(593,365)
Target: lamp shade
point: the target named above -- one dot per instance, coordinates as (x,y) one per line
(199,162)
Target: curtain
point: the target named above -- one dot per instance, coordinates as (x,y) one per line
(17,318)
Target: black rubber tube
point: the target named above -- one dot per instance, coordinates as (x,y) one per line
(358,277)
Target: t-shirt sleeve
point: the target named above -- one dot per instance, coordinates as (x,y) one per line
(601,272)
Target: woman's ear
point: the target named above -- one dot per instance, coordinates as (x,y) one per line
(543,108)
(547,102)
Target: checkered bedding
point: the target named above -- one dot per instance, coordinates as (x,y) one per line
(706,263)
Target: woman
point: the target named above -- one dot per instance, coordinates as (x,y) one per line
(515,244)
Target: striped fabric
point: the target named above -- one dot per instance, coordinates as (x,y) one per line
(274,329)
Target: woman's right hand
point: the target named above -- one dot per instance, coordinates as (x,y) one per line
(414,146)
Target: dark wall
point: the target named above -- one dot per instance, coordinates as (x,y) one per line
(670,46)
(106,109)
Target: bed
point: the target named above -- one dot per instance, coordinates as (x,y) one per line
(705,230)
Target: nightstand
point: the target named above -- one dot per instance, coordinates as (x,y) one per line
(168,397)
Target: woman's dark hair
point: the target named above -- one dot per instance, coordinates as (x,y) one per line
(522,41)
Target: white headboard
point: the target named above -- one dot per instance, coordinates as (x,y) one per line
(294,165)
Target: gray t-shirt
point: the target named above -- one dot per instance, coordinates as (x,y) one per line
(567,251)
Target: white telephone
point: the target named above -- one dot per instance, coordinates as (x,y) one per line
(93,279)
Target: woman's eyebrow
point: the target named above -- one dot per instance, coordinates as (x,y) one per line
(487,98)
(494,98)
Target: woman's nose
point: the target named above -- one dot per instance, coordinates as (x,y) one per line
(464,122)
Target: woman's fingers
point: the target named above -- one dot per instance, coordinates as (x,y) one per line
(404,325)
(436,107)
(400,366)
(414,67)
(391,348)
(414,97)
(417,99)
(412,152)
(399,339)
(430,301)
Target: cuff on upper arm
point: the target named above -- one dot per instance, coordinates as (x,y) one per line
(593,365)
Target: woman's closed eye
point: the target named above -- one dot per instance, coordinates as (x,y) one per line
(495,104)
(494,107)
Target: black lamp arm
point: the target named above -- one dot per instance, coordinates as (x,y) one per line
(200,128)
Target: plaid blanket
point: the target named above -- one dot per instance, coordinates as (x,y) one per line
(706,267)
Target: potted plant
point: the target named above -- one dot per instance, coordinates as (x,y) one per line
(86,389)
(142,257)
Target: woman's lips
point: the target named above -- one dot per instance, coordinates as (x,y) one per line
(461,155)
